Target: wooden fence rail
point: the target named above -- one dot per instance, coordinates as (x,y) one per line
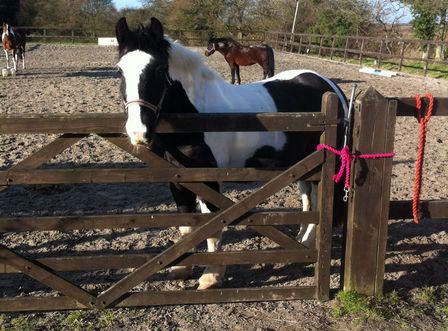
(361,47)
(345,47)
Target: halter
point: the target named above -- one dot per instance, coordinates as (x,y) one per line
(155,108)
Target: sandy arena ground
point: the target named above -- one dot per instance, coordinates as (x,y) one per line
(71,79)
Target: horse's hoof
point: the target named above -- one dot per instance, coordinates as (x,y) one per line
(208,281)
(212,277)
(180,273)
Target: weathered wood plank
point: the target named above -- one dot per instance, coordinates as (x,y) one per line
(224,218)
(165,298)
(136,175)
(434,209)
(280,238)
(124,261)
(406,106)
(153,160)
(390,115)
(111,221)
(49,151)
(325,197)
(367,208)
(115,122)
(46,277)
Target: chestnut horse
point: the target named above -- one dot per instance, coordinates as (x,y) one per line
(238,55)
(14,40)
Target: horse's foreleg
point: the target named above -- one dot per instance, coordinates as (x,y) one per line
(7,59)
(186,203)
(237,69)
(182,272)
(213,274)
(265,73)
(307,233)
(14,59)
(23,59)
(232,72)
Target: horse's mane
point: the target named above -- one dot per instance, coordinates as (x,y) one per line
(183,60)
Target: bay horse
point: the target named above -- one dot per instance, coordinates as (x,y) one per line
(238,55)
(161,76)
(14,40)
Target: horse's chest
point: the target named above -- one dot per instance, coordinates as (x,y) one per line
(235,149)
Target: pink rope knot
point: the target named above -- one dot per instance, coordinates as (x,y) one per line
(346,160)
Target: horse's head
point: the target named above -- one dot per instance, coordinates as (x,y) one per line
(216,44)
(143,67)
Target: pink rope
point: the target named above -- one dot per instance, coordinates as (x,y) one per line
(346,159)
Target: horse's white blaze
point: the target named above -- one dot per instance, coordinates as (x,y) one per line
(132,65)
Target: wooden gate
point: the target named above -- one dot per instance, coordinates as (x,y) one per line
(317,166)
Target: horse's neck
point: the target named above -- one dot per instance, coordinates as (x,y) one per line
(197,79)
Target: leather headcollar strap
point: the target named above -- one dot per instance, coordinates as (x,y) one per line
(155,108)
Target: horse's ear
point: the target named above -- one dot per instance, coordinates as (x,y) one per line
(156,29)
(122,30)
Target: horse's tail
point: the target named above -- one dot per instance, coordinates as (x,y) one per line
(271,61)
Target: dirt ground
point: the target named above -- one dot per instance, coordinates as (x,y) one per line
(71,79)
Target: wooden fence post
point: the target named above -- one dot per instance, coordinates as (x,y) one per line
(368,206)
(345,49)
(320,46)
(333,42)
(425,69)
(361,51)
(401,55)
(380,53)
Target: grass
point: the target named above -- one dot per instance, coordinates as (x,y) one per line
(408,312)
(362,308)
(19,323)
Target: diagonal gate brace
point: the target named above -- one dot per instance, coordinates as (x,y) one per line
(46,276)
(205,192)
(217,223)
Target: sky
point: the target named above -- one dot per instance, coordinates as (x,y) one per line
(120,4)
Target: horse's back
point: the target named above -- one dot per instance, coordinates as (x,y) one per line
(300,90)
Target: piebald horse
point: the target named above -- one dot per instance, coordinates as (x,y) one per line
(14,40)
(161,76)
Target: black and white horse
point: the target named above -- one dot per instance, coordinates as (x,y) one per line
(161,76)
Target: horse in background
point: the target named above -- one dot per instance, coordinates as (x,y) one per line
(14,40)
(238,55)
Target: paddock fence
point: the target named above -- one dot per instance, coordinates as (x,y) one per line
(399,51)
(51,271)
(362,48)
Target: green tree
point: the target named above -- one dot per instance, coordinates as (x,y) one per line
(9,10)
(98,15)
(430,21)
